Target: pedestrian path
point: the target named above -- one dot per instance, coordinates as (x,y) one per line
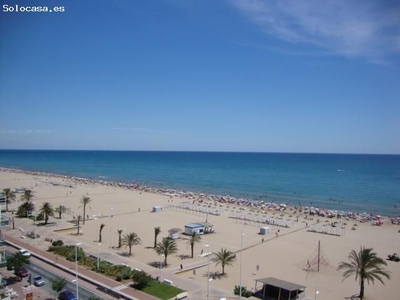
(39,248)
(120,287)
(83,273)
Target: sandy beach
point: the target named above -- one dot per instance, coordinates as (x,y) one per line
(284,253)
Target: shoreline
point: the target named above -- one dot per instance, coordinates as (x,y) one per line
(198,196)
(282,253)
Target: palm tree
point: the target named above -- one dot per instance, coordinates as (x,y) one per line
(130,239)
(78,223)
(10,195)
(101,229)
(27,195)
(365,265)
(166,247)
(157,231)
(119,237)
(60,210)
(85,201)
(194,238)
(225,258)
(47,210)
(58,284)
(25,209)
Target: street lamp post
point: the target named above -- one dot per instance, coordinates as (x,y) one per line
(208,271)
(111,216)
(76,270)
(34,227)
(161,256)
(241,264)
(98,258)
(34,223)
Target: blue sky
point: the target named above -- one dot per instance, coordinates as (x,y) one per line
(198,75)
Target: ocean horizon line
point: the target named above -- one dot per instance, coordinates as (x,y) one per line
(206,151)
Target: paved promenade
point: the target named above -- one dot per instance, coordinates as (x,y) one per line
(39,247)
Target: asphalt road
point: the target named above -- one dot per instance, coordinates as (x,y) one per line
(37,267)
(48,276)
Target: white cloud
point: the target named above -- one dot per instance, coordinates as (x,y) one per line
(351,28)
(148,130)
(28,131)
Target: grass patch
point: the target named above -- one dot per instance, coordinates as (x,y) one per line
(161,290)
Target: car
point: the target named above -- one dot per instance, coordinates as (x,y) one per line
(3,283)
(66,295)
(38,280)
(21,272)
(24,252)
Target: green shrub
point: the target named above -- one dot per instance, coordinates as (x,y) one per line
(40,217)
(245,292)
(58,243)
(125,273)
(52,249)
(141,279)
(79,255)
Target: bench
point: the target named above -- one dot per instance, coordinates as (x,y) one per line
(181,296)
(167,281)
(205,254)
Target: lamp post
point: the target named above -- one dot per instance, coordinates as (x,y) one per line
(208,271)
(34,223)
(316,293)
(241,264)
(98,258)
(111,216)
(161,256)
(76,270)
(34,227)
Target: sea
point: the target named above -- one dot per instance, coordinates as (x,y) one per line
(343,182)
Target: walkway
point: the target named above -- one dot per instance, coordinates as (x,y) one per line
(38,248)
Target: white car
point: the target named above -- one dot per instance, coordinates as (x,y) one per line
(38,280)
(24,252)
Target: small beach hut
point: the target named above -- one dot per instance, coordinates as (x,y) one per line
(157,208)
(277,289)
(194,227)
(265,230)
(174,233)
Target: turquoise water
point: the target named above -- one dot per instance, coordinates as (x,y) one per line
(363,183)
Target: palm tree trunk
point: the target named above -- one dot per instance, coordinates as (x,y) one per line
(165,261)
(84,214)
(192,246)
(130,250)
(362,290)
